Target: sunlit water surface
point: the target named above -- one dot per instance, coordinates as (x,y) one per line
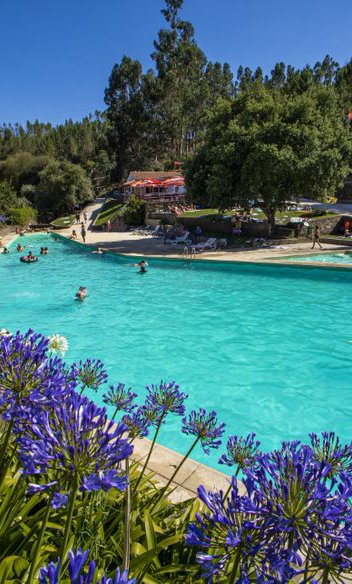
(270,348)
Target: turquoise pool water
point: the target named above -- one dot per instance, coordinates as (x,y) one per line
(328,258)
(268,347)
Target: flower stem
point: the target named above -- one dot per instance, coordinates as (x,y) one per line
(235,568)
(38,544)
(230,485)
(164,489)
(127,545)
(150,452)
(115,412)
(5,463)
(69,518)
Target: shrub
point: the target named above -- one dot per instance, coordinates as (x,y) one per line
(22,216)
(134,212)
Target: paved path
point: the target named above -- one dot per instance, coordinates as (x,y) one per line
(130,243)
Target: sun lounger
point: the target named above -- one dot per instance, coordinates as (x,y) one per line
(211,244)
(182,239)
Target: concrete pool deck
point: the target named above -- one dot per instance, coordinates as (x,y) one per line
(163,463)
(136,244)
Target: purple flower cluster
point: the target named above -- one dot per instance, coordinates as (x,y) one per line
(29,377)
(162,399)
(80,573)
(90,374)
(74,444)
(205,427)
(137,424)
(241,451)
(328,448)
(120,398)
(292,520)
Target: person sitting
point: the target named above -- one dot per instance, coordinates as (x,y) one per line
(30,258)
(82,293)
(73,234)
(5,250)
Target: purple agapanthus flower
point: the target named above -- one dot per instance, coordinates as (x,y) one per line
(291,511)
(137,424)
(205,426)
(104,481)
(120,398)
(90,373)
(328,448)
(241,451)
(29,376)
(81,573)
(50,574)
(73,443)
(164,398)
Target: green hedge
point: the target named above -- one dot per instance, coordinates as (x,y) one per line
(22,216)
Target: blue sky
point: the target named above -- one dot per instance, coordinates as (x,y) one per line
(56,55)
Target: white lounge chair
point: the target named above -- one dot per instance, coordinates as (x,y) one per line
(182,239)
(211,244)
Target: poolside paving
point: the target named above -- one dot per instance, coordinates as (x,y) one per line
(132,243)
(163,463)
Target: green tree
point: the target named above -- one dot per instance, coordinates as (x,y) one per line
(273,147)
(22,168)
(62,186)
(8,197)
(126,115)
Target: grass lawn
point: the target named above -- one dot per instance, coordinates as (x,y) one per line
(64,221)
(281,216)
(111,209)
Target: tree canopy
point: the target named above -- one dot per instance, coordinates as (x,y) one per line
(271,146)
(229,130)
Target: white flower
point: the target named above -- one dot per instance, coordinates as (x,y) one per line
(58,344)
(5,333)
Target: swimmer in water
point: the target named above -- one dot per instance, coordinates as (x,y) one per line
(20,247)
(99,250)
(82,293)
(143,267)
(141,264)
(43,251)
(5,250)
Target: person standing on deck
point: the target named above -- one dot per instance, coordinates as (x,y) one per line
(316,237)
(83,232)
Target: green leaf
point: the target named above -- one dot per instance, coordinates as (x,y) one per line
(142,560)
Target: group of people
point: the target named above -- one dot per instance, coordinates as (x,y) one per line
(74,235)
(82,291)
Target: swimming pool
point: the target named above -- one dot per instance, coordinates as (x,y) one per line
(328,258)
(268,347)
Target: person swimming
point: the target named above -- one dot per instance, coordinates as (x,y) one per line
(99,250)
(82,293)
(44,251)
(20,247)
(143,266)
(5,250)
(29,259)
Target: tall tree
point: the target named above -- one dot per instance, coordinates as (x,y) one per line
(273,147)
(181,76)
(126,115)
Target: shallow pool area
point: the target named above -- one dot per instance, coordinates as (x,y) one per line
(269,347)
(342,257)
